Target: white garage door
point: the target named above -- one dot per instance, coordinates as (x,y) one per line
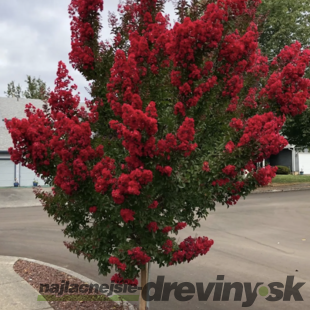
(304,162)
(6,173)
(27,177)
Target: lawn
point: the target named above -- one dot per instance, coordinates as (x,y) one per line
(291,179)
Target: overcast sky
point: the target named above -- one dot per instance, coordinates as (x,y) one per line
(35,35)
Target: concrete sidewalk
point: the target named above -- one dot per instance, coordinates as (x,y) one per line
(15,292)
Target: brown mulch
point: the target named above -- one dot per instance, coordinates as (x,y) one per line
(36,274)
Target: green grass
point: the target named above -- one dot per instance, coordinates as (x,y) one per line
(290,179)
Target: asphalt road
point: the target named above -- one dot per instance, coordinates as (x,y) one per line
(264,238)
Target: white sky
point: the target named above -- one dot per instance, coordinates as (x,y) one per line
(35,35)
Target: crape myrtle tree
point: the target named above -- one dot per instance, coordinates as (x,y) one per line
(178,112)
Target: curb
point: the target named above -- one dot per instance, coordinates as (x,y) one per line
(71,273)
(281,190)
(12,207)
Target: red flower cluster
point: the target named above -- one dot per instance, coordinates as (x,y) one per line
(130,184)
(152,226)
(237,187)
(139,256)
(239,7)
(137,121)
(233,199)
(233,86)
(220,182)
(166,229)
(230,170)
(230,146)
(191,248)
(250,101)
(92,209)
(206,167)
(81,55)
(170,143)
(117,278)
(260,66)
(179,109)
(134,118)
(102,174)
(167,247)
(186,133)
(236,124)
(250,166)
(127,215)
(164,170)
(287,86)
(176,78)
(115,261)
(39,140)
(190,36)
(124,79)
(235,48)
(153,205)
(61,99)
(181,48)
(264,129)
(265,175)
(180,226)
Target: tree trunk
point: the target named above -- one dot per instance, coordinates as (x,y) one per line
(142,300)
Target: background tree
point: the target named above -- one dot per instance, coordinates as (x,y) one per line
(297,130)
(35,89)
(13,91)
(282,22)
(177,115)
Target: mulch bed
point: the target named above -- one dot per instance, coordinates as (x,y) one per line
(36,274)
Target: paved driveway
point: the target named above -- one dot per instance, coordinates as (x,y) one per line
(263,239)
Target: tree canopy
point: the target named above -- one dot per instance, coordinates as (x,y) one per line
(297,130)
(282,22)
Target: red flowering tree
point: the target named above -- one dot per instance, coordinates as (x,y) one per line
(177,114)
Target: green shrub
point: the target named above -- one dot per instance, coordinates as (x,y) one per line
(283,170)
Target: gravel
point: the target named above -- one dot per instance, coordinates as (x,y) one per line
(36,274)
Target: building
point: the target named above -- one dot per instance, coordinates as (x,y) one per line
(294,159)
